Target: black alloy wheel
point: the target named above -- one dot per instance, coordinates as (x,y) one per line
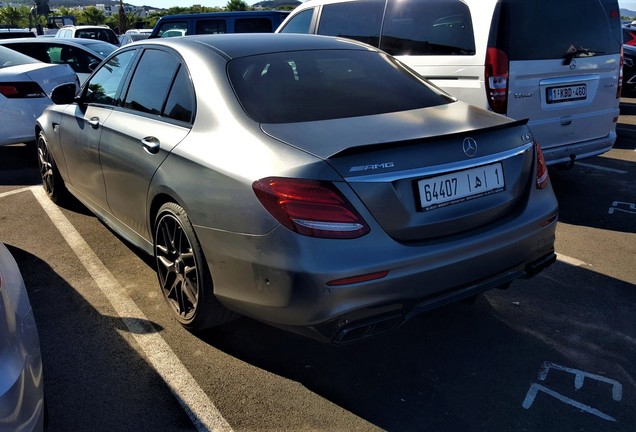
(51,179)
(183,274)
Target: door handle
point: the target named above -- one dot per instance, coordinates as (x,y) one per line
(94,122)
(151,145)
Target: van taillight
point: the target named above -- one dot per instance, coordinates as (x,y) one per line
(496,75)
(543,178)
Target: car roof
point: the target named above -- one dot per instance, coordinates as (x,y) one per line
(248,44)
(205,15)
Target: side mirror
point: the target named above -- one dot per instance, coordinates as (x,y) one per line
(64,94)
(92,65)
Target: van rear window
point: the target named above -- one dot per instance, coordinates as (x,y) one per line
(253,25)
(428,27)
(544,29)
(301,86)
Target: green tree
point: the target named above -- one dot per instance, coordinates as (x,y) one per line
(123,18)
(92,16)
(236,5)
(10,16)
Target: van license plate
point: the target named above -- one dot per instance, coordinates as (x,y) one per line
(445,190)
(566,93)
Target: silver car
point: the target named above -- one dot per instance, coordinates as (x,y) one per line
(313,183)
(21,383)
(25,85)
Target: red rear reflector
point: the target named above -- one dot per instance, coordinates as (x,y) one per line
(309,207)
(358,279)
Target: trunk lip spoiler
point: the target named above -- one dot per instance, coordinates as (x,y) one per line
(380,146)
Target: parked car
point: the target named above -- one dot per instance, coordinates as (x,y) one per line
(82,55)
(313,183)
(218,23)
(21,383)
(12,33)
(102,33)
(134,35)
(519,58)
(25,84)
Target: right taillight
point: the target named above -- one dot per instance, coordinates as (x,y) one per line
(543,178)
(21,90)
(496,76)
(309,207)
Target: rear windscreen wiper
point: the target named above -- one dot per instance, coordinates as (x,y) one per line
(578,52)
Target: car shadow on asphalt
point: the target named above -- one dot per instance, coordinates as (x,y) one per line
(94,380)
(469,367)
(596,198)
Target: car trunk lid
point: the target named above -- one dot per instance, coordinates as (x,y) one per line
(417,172)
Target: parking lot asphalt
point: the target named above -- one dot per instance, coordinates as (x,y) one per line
(553,353)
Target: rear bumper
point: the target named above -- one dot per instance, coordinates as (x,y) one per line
(283,279)
(581,150)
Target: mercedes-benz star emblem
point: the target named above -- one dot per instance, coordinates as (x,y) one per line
(470,147)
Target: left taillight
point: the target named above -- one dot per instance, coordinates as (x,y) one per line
(309,207)
(496,75)
(21,90)
(543,178)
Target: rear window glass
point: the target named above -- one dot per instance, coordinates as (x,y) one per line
(538,29)
(361,21)
(9,57)
(320,85)
(172,25)
(428,27)
(253,25)
(211,27)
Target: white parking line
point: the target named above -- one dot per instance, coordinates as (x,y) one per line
(15,191)
(601,168)
(196,403)
(572,261)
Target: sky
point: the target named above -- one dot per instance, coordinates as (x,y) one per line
(627,4)
(165,4)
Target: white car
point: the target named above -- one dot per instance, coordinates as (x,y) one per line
(25,86)
(21,383)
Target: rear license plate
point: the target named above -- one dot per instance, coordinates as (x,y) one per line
(460,186)
(566,93)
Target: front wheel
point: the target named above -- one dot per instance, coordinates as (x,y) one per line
(184,276)
(51,178)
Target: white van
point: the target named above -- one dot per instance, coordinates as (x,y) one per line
(556,63)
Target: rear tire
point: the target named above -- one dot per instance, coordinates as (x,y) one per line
(52,181)
(184,277)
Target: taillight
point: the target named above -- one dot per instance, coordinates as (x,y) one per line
(21,90)
(309,207)
(619,89)
(543,178)
(496,76)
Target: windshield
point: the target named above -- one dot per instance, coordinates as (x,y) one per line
(9,57)
(101,48)
(327,84)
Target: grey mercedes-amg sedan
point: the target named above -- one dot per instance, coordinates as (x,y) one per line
(309,182)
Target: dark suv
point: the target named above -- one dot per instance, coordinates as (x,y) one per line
(13,33)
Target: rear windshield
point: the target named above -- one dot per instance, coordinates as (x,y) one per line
(327,84)
(9,57)
(550,29)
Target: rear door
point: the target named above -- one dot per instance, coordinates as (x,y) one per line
(564,66)
(156,115)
